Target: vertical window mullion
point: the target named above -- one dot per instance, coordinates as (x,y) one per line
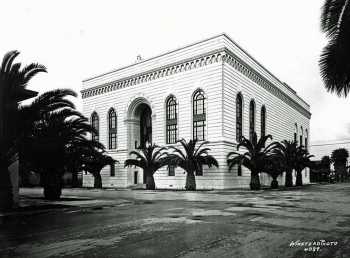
(239,117)
(199,116)
(263,121)
(95,125)
(251,119)
(112,129)
(171,120)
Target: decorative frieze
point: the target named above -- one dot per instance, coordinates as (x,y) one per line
(255,76)
(184,65)
(217,56)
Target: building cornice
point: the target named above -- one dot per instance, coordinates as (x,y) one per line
(216,56)
(245,69)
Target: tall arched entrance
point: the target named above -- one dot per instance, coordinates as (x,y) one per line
(139,134)
(145,125)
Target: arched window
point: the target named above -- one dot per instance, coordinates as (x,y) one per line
(239,116)
(199,118)
(306,138)
(112,129)
(301,136)
(263,121)
(295,132)
(95,125)
(171,120)
(251,119)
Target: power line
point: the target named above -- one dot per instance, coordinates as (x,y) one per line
(336,143)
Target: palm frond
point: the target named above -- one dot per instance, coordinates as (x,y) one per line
(199,147)
(236,160)
(202,152)
(7,60)
(208,160)
(137,154)
(232,153)
(335,66)
(133,162)
(335,16)
(179,152)
(262,141)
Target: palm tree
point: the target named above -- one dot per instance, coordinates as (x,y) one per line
(274,167)
(50,101)
(32,114)
(191,159)
(302,161)
(340,157)
(286,150)
(149,158)
(13,82)
(49,141)
(335,58)
(93,161)
(78,153)
(255,157)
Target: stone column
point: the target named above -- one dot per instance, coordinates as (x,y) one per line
(133,135)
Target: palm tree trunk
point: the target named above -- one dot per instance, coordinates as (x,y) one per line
(6,197)
(254,181)
(150,184)
(343,172)
(74,179)
(299,181)
(52,185)
(190,181)
(97,181)
(289,178)
(274,183)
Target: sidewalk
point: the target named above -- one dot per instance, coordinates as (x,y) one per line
(35,204)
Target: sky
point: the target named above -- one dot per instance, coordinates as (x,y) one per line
(77,39)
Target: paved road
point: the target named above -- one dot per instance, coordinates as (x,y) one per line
(126,223)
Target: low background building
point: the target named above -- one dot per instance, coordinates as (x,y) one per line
(210,90)
(325,148)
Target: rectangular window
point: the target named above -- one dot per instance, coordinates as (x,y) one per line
(112,141)
(199,130)
(171,171)
(171,133)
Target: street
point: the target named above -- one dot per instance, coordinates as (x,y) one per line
(313,221)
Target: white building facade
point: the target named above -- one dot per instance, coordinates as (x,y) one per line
(211,90)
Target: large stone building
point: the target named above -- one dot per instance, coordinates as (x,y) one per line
(211,90)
